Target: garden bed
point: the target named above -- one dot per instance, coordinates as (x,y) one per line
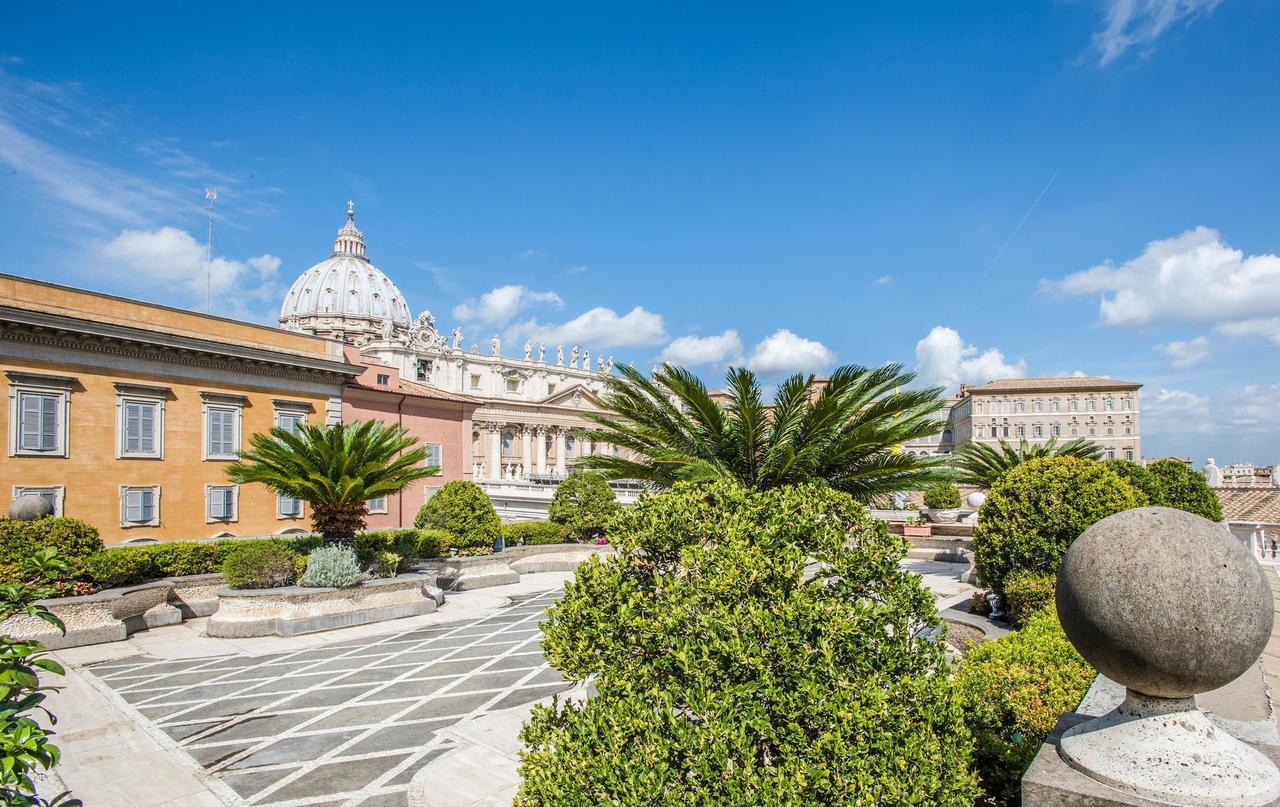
(502,568)
(293,610)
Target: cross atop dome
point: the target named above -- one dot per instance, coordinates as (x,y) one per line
(350,241)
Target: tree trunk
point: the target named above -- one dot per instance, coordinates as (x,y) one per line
(338,522)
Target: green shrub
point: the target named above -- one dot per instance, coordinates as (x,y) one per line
(1037,509)
(1141,479)
(584,503)
(534,532)
(259,564)
(432,543)
(942,496)
(126,566)
(1184,488)
(177,559)
(1015,688)
(462,509)
(1026,594)
(386,564)
(73,539)
(332,567)
(372,547)
(725,677)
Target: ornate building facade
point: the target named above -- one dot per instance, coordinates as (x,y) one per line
(529,424)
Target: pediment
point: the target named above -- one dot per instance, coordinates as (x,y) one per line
(577,396)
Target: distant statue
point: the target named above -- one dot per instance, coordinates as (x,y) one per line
(560,355)
(1275,475)
(426,322)
(457,338)
(599,364)
(573,357)
(1212,474)
(475,349)
(609,366)
(542,351)
(528,350)
(388,328)
(495,346)
(586,359)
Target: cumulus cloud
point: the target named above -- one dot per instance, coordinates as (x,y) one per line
(1185,354)
(598,328)
(1194,277)
(1140,23)
(785,352)
(1173,411)
(946,360)
(498,306)
(168,259)
(883,280)
(689,351)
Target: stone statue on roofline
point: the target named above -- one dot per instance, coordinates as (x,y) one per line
(495,345)
(1212,474)
(600,364)
(457,338)
(388,329)
(542,352)
(560,355)
(426,322)
(586,359)
(573,357)
(528,350)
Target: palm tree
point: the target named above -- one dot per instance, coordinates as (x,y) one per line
(847,432)
(335,469)
(981,464)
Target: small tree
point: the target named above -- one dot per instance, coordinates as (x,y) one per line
(1035,511)
(1182,487)
(584,503)
(463,510)
(942,496)
(727,674)
(335,469)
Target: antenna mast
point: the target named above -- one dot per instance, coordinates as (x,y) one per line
(210,194)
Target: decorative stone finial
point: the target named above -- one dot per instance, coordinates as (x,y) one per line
(1169,605)
(29,507)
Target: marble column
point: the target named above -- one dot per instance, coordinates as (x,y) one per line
(495,450)
(526,449)
(540,437)
(560,467)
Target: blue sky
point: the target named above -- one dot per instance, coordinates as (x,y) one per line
(982,191)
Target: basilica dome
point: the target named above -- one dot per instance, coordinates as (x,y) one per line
(346,296)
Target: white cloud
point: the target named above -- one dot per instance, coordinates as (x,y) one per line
(171,260)
(577,269)
(785,352)
(1173,412)
(1194,277)
(946,360)
(598,328)
(1139,23)
(499,305)
(883,280)
(1185,354)
(689,351)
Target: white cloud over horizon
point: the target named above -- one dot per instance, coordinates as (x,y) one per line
(944,359)
(692,351)
(786,352)
(1129,24)
(499,305)
(597,328)
(1182,354)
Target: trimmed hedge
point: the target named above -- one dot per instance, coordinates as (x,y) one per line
(462,509)
(259,564)
(1037,509)
(942,496)
(1014,690)
(75,541)
(373,547)
(534,532)
(1026,594)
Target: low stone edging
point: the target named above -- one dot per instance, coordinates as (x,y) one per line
(505,567)
(293,610)
(107,616)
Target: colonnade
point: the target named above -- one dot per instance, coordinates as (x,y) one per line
(493,463)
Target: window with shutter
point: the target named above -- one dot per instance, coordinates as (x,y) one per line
(221,438)
(288,507)
(434,456)
(39,422)
(138,505)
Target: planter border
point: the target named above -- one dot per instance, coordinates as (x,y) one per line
(293,610)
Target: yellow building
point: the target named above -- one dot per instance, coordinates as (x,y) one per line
(126,414)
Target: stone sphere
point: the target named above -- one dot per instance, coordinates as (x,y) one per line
(976,499)
(1164,602)
(29,508)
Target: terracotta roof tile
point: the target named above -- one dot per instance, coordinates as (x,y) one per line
(1260,505)
(419,391)
(1061,382)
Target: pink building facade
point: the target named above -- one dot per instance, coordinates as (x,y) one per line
(440,420)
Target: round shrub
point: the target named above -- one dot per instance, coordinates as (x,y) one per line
(584,503)
(1015,689)
(1026,594)
(1038,508)
(1141,479)
(534,532)
(725,677)
(462,509)
(332,567)
(942,496)
(1184,488)
(20,540)
(259,564)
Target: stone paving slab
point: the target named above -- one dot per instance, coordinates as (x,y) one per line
(349,723)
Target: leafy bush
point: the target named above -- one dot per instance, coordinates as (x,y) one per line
(432,543)
(127,566)
(584,503)
(372,547)
(462,509)
(259,564)
(332,567)
(180,558)
(73,539)
(942,496)
(534,532)
(1141,479)
(25,747)
(1026,594)
(1184,488)
(1015,688)
(386,564)
(1037,509)
(725,677)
